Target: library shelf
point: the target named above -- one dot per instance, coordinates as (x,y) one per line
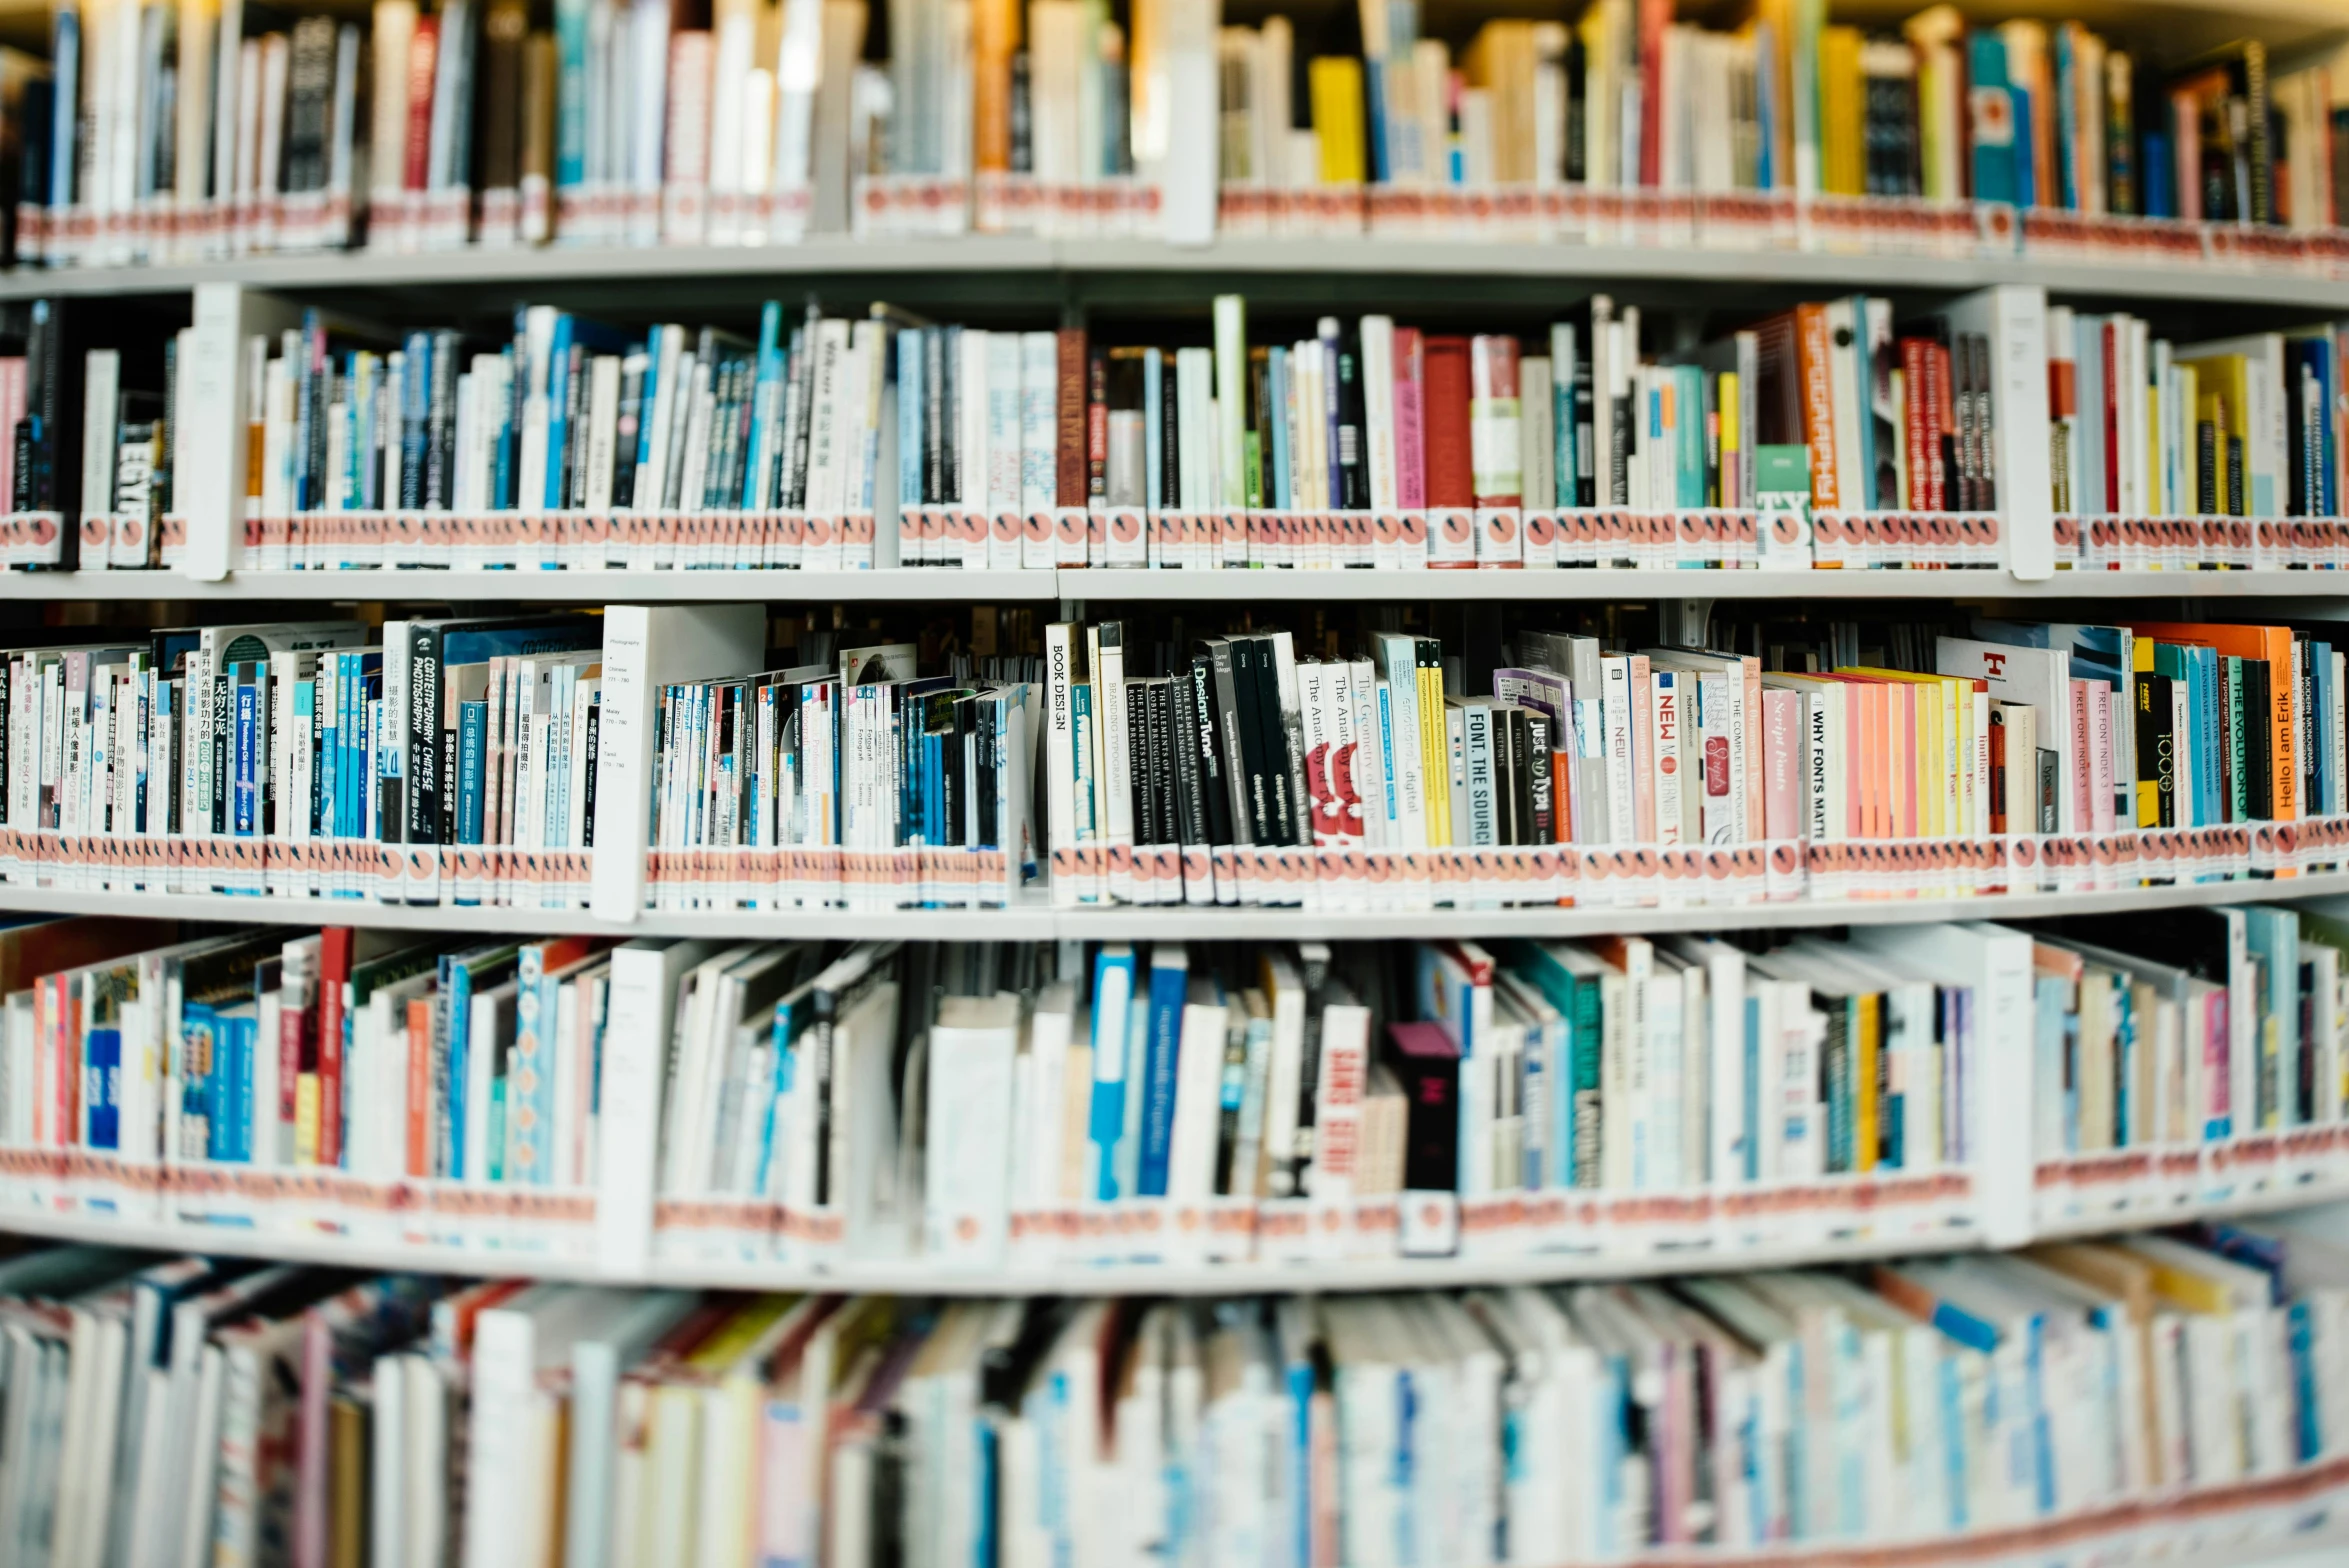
(1114,272)
(914,1276)
(1111,585)
(1033,920)
(537,587)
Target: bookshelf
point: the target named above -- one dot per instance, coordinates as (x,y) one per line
(1033,919)
(1009,270)
(1988,1182)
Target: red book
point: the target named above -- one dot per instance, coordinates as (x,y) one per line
(1444,422)
(334,972)
(1917,432)
(418,1130)
(1945,473)
(1069,486)
(1655,18)
(423,62)
(1410,430)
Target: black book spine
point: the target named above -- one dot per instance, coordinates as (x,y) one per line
(424,733)
(574,453)
(223,744)
(1202,795)
(1235,729)
(1266,775)
(950,452)
(2258,741)
(1138,767)
(2156,764)
(985,773)
(624,431)
(1170,440)
(2048,810)
(1541,799)
(1532,763)
(440,431)
(933,418)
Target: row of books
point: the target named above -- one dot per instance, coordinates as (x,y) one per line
(152,136)
(1829,434)
(2027,1404)
(1157,787)
(980,1106)
(465,760)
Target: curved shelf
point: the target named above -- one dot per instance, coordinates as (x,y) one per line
(542,587)
(1032,920)
(1105,585)
(1391,268)
(915,1277)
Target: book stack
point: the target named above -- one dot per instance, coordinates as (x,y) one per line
(809,1109)
(195,1404)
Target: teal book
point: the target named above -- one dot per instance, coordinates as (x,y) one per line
(1688,436)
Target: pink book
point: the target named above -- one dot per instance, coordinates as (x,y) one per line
(1643,726)
(1410,439)
(2084,759)
(1782,789)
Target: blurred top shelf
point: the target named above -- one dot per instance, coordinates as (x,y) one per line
(1004,270)
(2283,592)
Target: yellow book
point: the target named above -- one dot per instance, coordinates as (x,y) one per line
(1843,152)
(2226,379)
(2156,464)
(1501,62)
(1867,1042)
(1732,480)
(2148,790)
(1336,84)
(1436,754)
(738,1334)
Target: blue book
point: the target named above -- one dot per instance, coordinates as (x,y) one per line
(1154,425)
(2211,735)
(1766,112)
(1688,416)
(2161,176)
(1170,976)
(306,724)
(199,1058)
(102,1087)
(245,1034)
(2026,171)
(472,770)
(571,64)
(909,416)
(1113,994)
(415,419)
(644,424)
(1995,138)
(65,53)
(558,413)
(247,803)
(2067,117)
(766,403)
(330,741)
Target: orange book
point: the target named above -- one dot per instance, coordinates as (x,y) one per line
(1562,797)
(2274,645)
(419,1086)
(995,28)
(1813,345)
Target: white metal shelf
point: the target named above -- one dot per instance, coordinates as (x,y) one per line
(540,587)
(1103,585)
(1032,920)
(1401,267)
(914,1276)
